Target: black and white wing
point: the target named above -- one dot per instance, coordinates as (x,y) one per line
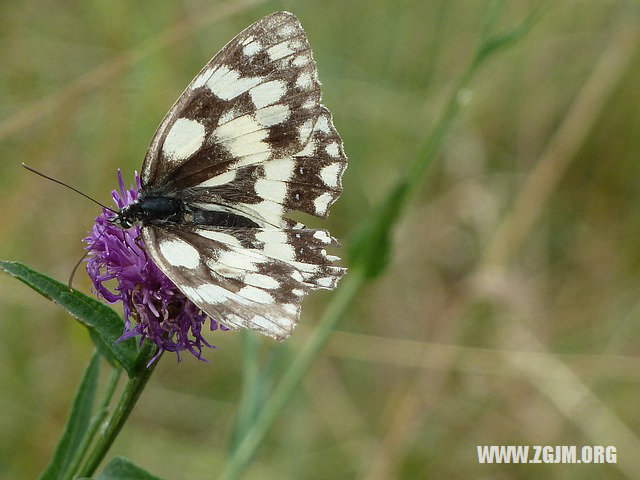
(252,278)
(249,137)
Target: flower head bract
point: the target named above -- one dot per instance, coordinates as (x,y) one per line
(121,271)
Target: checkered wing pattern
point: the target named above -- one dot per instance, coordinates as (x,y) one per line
(250,138)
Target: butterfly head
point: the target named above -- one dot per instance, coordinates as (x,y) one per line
(128,216)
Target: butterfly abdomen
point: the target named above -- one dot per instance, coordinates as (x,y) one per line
(219,218)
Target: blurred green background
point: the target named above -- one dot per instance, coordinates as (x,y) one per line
(510,313)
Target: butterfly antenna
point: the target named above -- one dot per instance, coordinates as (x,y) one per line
(33,170)
(75,268)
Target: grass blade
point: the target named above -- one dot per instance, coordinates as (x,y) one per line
(120,468)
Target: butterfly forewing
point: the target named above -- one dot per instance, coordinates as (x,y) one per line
(257,99)
(308,181)
(250,138)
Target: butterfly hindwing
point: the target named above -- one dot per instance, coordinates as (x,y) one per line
(251,278)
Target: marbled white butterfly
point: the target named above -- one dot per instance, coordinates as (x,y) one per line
(246,142)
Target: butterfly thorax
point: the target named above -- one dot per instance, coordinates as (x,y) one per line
(161,209)
(151,209)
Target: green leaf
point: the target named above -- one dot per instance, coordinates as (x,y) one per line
(104,325)
(370,249)
(493,42)
(120,468)
(77,423)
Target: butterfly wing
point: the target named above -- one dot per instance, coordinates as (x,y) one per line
(309,180)
(256,99)
(252,277)
(249,136)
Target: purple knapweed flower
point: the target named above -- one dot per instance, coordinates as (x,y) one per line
(161,312)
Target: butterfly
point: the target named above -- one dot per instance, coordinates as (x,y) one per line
(247,142)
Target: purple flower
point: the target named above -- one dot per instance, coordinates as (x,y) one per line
(160,310)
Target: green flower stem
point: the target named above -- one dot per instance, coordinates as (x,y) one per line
(111,388)
(96,421)
(292,377)
(489,43)
(250,387)
(119,415)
